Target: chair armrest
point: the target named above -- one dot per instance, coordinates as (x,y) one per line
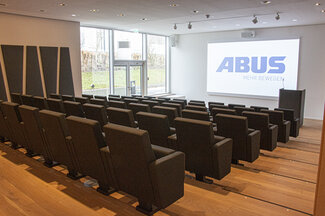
(218,138)
(250,130)
(172,131)
(253,145)
(172,142)
(167,176)
(272,127)
(107,162)
(286,122)
(222,155)
(161,151)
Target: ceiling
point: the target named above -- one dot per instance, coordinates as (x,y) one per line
(161,16)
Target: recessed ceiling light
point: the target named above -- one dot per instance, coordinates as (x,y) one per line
(317,4)
(323,11)
(265,2)
(294,20)
(174,5)
(73,15)
(3,4)
(144,19)
(121,15)
(62,4)
(196,11)
(94,10)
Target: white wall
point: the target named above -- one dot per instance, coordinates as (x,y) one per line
(189,65)
(24,30)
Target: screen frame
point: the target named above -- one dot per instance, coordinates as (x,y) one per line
(274,98)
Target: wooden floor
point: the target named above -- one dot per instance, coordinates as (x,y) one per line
(281,182)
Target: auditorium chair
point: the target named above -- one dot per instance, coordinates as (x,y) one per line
(34,133)
(16,132)
(68,98)
(197,101)
(96,112)
(197,108)
(193,114)
(113,95)
(157,126)
(202,104)
(55,105)
(179,99)
(140,99)
(101,102)
(56,96)
(73,108)
(246,142)
(27,100)
(100,97)
(40,102)
(59,142)
(87,138)
(269,132)
(149,97)
(156,180)
(130,100)
(117,104)
(82,100)
(240,110)
(232,106)
(174,105)
(216,111)
(277,118)
(136,96)
(110,98)
(182,103)
(129,97)
(138,107)
(121,117)
(205,153)
(166,99)
(88,96)
(16,98)
(213,104)
(290,115)
(219,106)
(259,108)
(150,103)
(4,130)
(170,112)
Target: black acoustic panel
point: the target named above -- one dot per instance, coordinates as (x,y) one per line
(33,76)
(3,95)
(13,60)
(66,81)
(49,57)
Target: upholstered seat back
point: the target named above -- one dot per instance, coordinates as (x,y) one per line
(137,107)
(27,100)
(182,103)
(16,98)
(55,105)
(68,98)
(276,117)
(198,115)
(100,102)
(175,105)
(240,110)
(151,103)
(56,96)
(213,104)
(170,112)
(130,100)
(197,108)
(40,102)
(121,116)
(96,112)
(232,106)
(82,100)
(73,108)
(117,104)
(216,111)
(131,154)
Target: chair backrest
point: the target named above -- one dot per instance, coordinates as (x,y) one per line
(198,101)
(130,100)
(56,96)
(4,130)
(160,101)
(55,133)
(131,154)
(137,107)
(11,112)
(240,110)
(197,108)
(151,103)
(112,95)
(149,97)
(121,116)
(259,108)
(82,100)
(117,104)
(289,114)
(179,99)
(68,98)
(235,127)
(175,105)
(257,121)
(198,115)
(87,140)
(16,98)
(232,106)
(182,103)
(213,104)
(157,126)
(96,112)
(195,138)
(100,102)
(164,98)
(110,98)
(170,112)
(73,108)
(276,117)
(88,96)
(216,111)
(100,97)
(40,102)
(27,100)
(34,129)
(55,105)
(196,104)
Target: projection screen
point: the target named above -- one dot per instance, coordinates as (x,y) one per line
(253,68)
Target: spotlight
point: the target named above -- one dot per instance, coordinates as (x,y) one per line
(255,20)
(189,26)
(277,17)
(175,26)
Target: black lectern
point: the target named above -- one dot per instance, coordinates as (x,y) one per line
(293,99)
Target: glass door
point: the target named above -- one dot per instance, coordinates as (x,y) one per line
(128,78)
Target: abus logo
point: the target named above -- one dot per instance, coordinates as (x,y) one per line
(256,65)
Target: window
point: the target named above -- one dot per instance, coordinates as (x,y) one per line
(127,45)
(156,64)
(95,61)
